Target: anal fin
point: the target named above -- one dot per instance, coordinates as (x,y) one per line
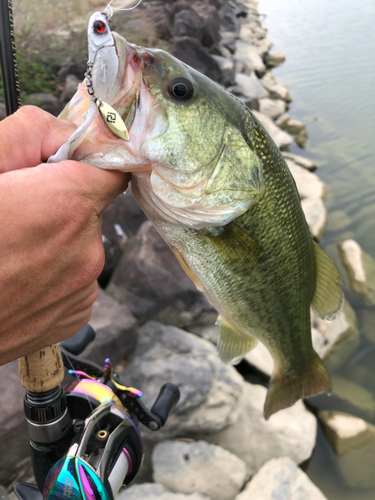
(328,296)
(232,345)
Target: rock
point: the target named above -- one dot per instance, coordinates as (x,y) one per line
(125,212)
(3,111)
(199,467)
(229,21)
(70,88)
(48,102)
(276,91)
(290,432)
(274,59)
(248,86)
(154,491)
(308,184)
(252,32)
(336,340)
(13,432)
(316,216)
(226,66)
(301,138)
(116,331)
(272,107)
(294,127)
(282,121)
(337,220)
(210,390)
(360,269)
(248,54)
(263,47)
(211,17)
(261,358)
(353,440)
(189,23)
(228,40)
(282,139)
(149,278)
(300,160)
(121,221)
(190,51)
(3,493)
(346,432)
(281,479)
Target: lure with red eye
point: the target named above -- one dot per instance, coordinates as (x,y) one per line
(99,27)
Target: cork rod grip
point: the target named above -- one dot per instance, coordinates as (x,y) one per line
(42,370)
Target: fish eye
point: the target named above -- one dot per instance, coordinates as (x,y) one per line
(99,27)
(181,88)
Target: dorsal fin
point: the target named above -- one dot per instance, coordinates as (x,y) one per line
(328,297)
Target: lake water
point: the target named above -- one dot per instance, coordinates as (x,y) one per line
(330,72)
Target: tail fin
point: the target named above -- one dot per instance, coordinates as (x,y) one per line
(287,388)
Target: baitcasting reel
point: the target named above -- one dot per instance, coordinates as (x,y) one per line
(84,439)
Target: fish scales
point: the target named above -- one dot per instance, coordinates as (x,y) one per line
(218,190)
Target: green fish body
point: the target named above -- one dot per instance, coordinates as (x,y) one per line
(219,192)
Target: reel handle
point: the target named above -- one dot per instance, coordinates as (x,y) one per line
(165,402)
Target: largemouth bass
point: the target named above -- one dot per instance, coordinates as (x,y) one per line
(219,192)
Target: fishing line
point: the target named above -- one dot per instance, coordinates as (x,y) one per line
(75,375)
(109,9)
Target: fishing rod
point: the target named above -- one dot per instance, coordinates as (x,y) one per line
(8,58)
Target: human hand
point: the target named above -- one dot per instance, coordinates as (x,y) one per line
(51,242)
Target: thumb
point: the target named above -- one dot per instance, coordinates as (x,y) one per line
(30,136)
(96,184)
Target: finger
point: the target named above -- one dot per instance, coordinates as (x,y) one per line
(96,184)
(30,136)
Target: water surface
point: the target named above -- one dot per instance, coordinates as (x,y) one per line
(330,73)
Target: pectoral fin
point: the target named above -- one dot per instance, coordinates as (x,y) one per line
(328,296)
(232,345)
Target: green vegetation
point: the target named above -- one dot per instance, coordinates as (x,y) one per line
(51,34)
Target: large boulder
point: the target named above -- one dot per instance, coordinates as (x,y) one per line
(275,90)
(316,216)
(210,391)
(116,331)
(272,107)
(282,139)
(281,479)
(199,467)
(274,59)
(290,432)
(360,269)
(353,440)
(249,55)
(192,52)
(301,161)
(336,340)
(121,221)
(308,184)
(154,491)
(249,86)
(149,278)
